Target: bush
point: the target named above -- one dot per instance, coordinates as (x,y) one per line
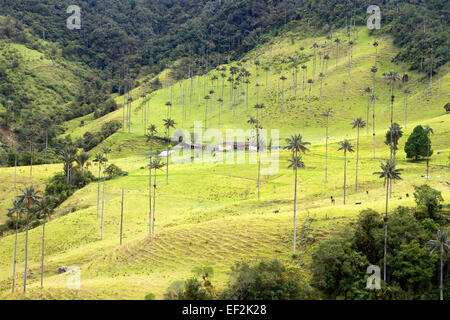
(447,107)
(428,199)
(191,289)
(267,280)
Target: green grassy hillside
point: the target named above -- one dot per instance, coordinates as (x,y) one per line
(209,215)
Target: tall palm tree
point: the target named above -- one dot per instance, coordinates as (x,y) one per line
(45,209)
(443,245)
(374,71)
(368,90)
(155,165)
(375,44)
(283,79)
(405,104)
(310,81)
(168,123)
(295,164)
(344,84)
(259,107)
(326,57)
(150,136)
(18,208)
(359,124)
(28,197)
(297,146)
(321,75)
(428,131)
(68,156)
(337,41)
(347,147)
(327,114)
(82,160)
(100,159)
(388,173)
(105,151)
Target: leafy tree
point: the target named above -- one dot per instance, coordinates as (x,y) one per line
(367,226)
(428,199)
(267,280)
(337,267)
(418,144)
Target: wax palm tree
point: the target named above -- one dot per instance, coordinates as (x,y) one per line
(45,210)
(375,44)
(105,164)
(82,160)
(406,92)
(368,90)
(327,114)
(100,159)
(155,165)
(295,164)
(344,84)
(304,77)
(428,131)
(337,41)
(68,156)
(347,147)
(150,137)
(168,123)
(283,79)
(326,57)
(315,46)
(18,208)
(28,198)
(443,245)
(297,146)
(388,173)
(359,124)
(391,78)
(310,81)
(321,80)
(350,52)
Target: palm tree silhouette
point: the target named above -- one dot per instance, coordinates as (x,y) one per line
(374,71)
(388,173)
(28,197)
(310,81)
(295,164)
(347,147)
(359,124)
(443,245)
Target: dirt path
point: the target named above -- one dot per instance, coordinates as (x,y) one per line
(7,136)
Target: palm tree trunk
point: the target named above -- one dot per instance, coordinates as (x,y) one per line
(15,171)
(98,189)
(103,203)
(26,254)
(15,254)
(121,219)
(357,161)
(42,259)
(167,159)
(345,175)
(295,211)
(441,282)
(46,143)
(326,153)
(385,231)
(154,202)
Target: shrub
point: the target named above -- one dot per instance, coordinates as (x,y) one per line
(428,199)
(267,280)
